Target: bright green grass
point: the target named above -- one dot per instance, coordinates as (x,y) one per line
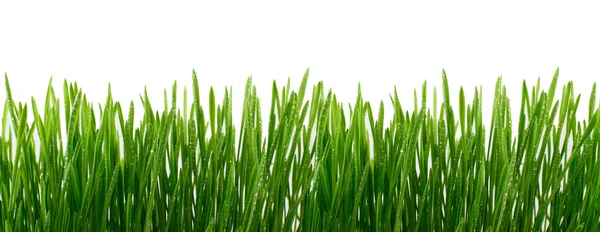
(321,166)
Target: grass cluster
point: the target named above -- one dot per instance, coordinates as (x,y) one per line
(322,165)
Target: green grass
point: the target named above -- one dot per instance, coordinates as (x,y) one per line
(322,165)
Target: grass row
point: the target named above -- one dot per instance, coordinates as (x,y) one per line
(322,165)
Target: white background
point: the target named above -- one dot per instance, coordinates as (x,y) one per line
(132,45)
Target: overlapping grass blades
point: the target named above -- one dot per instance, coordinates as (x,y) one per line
(321,166)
